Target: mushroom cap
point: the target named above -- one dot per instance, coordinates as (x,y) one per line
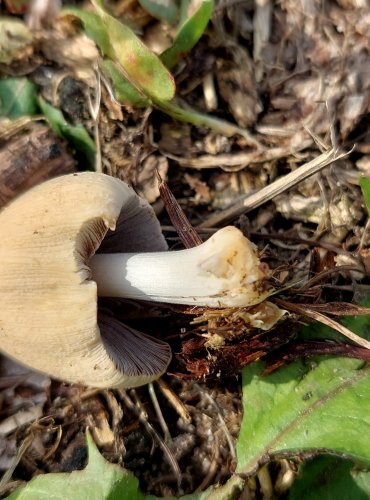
(49,304)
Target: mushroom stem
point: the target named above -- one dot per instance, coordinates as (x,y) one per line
(222,272)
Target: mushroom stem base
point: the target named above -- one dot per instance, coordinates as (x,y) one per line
(222,272)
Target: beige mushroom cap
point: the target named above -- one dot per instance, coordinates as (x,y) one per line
(48,317)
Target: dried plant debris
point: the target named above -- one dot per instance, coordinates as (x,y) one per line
(294,76)
(202,446)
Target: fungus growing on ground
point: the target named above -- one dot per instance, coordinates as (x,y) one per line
(51,278)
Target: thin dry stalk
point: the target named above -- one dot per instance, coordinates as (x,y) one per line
(238,161)
(55,446)
(264,478)
(174,401)
(321,318)
(94,108)
(157,408)
(21,451)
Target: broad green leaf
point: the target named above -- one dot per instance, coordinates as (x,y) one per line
(14,38)
(18,97)
(303,407)
(124,92)
(365,186)
(190,31)
(322,404)
(328,478)
(76,135)
(164,10)
(141,66)
(100,480)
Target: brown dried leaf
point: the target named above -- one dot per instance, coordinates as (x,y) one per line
(185,230)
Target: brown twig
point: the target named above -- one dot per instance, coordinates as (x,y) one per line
(296,350)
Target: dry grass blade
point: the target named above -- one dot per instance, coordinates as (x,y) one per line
(94,108)
(305,310)
(339,309)
(264,478)
(157,408)
(269,192)
(185,230)
(55,446)
(21,451)
(143,419)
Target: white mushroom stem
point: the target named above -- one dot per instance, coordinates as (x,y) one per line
(222,272)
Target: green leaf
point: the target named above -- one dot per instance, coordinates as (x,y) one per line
(327,478)
(323,405)
(100,480)
(76,135)
(14,38)
(141,66)
(164,10)
(18,97)
(124,92)
(144,75)
(365,186)
(199,14)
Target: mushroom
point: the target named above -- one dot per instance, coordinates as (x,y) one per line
(51,279)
